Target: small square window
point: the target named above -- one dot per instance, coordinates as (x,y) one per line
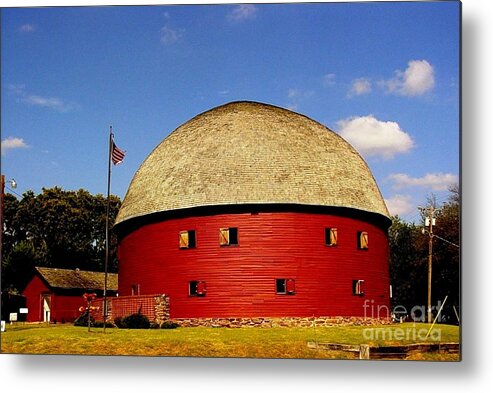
(228,236)
(330,236)
(363,240)
(196,288)
(285,286)
(187,239)
(358,287)
(281,285)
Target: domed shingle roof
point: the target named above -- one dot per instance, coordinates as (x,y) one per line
(251,153)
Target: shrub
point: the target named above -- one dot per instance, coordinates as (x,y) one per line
(154,325)
(169,325)
(119,322)
(136,321)
(100,324)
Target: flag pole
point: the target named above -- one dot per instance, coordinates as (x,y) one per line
(105,305)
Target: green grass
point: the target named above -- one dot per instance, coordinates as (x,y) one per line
(215,342)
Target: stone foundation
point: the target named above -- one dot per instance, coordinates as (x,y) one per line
(156,308)
(280,322)
(161,309)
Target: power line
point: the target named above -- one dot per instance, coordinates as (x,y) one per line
(12,191)
(447,241)
(441,238)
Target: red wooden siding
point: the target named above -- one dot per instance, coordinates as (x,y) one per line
(241,279)
(33,292)
(64,308)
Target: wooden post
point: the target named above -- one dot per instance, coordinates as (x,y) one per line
(88,315)
(430,264)
(364,351)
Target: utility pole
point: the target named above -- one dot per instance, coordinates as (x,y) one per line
(13,184)
(430,222)
(2,192)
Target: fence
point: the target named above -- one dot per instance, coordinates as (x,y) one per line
(154,307)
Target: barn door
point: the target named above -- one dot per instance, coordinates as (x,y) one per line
(46,307)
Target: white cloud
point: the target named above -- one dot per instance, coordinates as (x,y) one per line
(400,205)
(27,28)
(296,93)
(292,93)
(170,36)
(297,96)
(417,79)
(242,12)
(359,87)
(435,181)
(11,143)
(373,137)
(42,101)
(329,80)
(48,102)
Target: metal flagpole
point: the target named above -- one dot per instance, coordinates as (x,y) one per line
(105,305)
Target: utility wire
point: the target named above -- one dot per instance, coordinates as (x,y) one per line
(441,238)
(12,191)
(446,241)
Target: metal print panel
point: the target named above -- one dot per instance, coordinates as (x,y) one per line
(234,181)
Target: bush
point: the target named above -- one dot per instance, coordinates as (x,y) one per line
(169,325)
(154,325)
(135,321)
(119,322)
(100,324)
(82,320)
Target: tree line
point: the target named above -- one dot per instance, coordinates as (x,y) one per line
(56,228)
(409,258)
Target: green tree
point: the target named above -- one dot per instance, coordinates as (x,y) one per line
(446,253)
(11,205)
(66,229)
(409,258)
(18,266)
(407,264)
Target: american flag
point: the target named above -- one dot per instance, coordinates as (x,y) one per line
(117,154)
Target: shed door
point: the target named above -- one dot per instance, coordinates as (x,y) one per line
(46,308)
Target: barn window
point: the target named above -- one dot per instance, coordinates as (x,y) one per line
(187,239)
(285,286)
(196,288)
(358,287)
(363,240)
(330,236)
(228,236)
(135,289)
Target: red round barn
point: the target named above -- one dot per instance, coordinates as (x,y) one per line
(251,210)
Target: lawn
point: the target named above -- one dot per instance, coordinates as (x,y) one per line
(218,342)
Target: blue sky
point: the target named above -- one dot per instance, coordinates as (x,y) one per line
(383,75)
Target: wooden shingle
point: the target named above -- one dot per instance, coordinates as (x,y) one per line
(251,153)
(77,279)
